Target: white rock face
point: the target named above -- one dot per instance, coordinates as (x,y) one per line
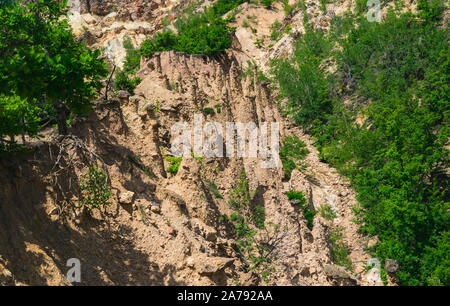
(77,22)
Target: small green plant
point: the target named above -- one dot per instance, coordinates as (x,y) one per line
(275,31)
(259,43)
(256,241)
(218,108)
(292,152)
(245,24)
(213,188)
(287,7)
(327,212)
(95,189)
(338,250)
(296,195)
(209,111)
(133,57)
(174,163)
(123,81)
(267,3)
(302,203)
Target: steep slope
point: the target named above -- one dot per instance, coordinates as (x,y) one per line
(164,228)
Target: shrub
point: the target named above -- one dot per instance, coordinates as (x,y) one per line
(267,3)
(174,164)
(338,250)
(308,213)
(327,212)
(209,111)
(96,191)
(17,116)
(123,81)
(292,152)
(197,32)
(133,56)
(212,186)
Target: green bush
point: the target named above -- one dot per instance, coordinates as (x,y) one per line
(302,80)
(267,3)
(212,186)
(96,191)
(308,213)
(17,117)
(197,32)
(327,212)
(133,56)
(123,81)
(338,250)
(174,164)
(292,152)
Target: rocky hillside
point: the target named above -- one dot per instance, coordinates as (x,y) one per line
(166,227)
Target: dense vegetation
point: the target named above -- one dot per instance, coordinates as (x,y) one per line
(44,72)
(198,31)
(382,118)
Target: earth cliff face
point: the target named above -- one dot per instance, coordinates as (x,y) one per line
(163,228)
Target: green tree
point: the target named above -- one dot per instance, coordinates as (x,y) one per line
(41,59)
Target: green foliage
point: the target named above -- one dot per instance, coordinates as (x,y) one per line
(241,196)
(275,33)
(125,81)
(132,58)
(174,163)
(327,212)
(218,108)
(212,186)
(338,250)
(40,57)
(396,156)
(267,3)
(259,43)
(302,203)
(287,7)
(96,191)
(197,32)
(17,116)
(302,80)
(296,195)
(292,152)
(250,228)
(209,111)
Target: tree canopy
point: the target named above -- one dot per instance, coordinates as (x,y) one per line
(42,62)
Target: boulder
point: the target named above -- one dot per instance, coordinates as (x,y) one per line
(391,265)
(126,197)
(335,271)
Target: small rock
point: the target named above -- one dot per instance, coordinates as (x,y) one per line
(126,197)
(335,271)
(156,208)
(343,194)
(123,96)
(8,273)
(211,265)
(391,265)
(171,231)
(135,99)
(295,201)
